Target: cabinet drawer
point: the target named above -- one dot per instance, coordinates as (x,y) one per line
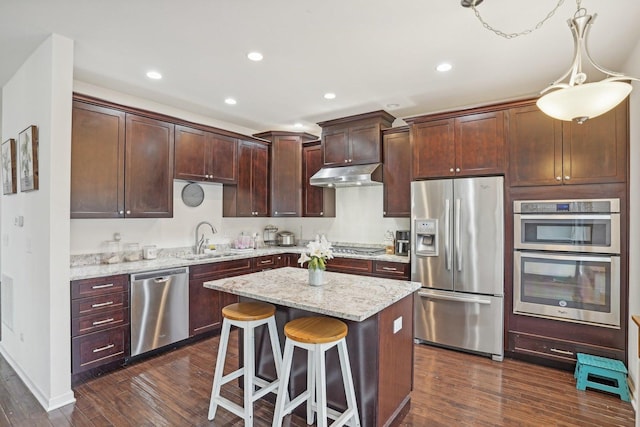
(99,321)
(350,265)
(218,270)
(99,286)
(99,304)
(264,262)
(99,348)
(392,270)
(559,350)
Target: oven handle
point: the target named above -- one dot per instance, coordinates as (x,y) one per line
(547,255)
(571,217)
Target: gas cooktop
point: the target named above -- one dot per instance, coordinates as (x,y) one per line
(358,250)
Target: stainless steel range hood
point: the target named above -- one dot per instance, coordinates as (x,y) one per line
(348,176)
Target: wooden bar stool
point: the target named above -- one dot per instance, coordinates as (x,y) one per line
(316,335)
(248,316)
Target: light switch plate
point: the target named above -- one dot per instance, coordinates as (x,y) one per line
(397,325)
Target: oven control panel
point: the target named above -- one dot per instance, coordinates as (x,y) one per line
(566,206)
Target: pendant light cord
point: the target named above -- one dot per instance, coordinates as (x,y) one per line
(521,33)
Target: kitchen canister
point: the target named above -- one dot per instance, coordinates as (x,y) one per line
(149,252)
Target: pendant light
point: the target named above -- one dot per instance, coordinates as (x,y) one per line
(577,100)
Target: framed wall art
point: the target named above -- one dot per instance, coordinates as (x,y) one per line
(9,182)
(28,153)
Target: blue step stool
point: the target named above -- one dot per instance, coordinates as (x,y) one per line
(601,368)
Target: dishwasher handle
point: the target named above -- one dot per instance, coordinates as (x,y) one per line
(159,275)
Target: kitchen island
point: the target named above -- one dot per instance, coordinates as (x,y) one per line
(379,314)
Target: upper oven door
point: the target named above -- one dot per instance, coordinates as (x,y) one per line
(597,233)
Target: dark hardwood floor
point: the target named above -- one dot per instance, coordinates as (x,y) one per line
(450,389)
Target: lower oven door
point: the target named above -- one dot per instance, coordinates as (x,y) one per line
(579,288)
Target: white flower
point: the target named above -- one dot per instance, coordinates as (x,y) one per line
(319,251)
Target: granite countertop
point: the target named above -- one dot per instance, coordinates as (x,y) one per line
(181,260)
(345,296)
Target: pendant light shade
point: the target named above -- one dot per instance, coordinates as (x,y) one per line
(585,101)
(576,99)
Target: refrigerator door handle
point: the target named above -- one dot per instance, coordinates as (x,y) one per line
(447,234)
(456,298)
(457,235)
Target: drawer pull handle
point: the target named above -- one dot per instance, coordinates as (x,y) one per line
(108,285)
(102,304)
(102,322)
(106,347)
(565,352)
(390,268)
(266,261)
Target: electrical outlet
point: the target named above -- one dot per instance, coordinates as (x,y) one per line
(397,325)
(21,337)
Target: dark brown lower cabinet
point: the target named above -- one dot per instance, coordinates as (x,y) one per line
(386,269)
(99,323)
(205,305)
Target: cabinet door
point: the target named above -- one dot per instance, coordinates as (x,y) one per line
(364,144)
(335,146)
(432,146)
(317,201)
(595,152)
(397,176)
(480,144)
(97,162)
(191,155)
(243,199)
(224,159)
(148,168)
(535,143)
(260,180)
(204,308)
(286,176)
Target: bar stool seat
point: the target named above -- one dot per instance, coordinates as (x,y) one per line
(316,335)
(248,316)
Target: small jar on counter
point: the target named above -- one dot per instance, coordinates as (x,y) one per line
(132,252)
(389,243)
(110,253)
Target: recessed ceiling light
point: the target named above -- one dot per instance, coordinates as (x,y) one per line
(154,75)
(230,101)
(445,66)
(298,125)
(329,95)
(393,105)
(255,56)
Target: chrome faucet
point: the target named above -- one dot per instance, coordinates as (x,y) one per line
(200,241)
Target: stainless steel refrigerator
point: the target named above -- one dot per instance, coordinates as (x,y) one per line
(457,253)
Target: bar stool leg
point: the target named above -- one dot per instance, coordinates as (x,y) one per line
(311,385)
(217,377)
(278,411)
(347,380)
(321,385)
(249,372)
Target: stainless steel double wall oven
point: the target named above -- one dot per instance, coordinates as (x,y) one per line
(567,260)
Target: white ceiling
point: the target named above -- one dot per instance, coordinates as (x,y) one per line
(371,53)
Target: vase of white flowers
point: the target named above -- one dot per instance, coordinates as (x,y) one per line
(317,254)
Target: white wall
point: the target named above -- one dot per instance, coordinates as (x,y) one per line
(633,68)
(358,210)
(36,339)
(358,220)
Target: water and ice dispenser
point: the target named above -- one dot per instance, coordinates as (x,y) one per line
(426,237)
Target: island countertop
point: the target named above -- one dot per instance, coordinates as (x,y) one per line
(345,296)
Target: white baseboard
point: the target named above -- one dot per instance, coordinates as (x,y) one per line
(48,403)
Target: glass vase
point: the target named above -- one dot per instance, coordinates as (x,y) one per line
(316,277)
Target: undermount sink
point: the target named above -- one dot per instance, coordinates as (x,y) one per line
(195,257)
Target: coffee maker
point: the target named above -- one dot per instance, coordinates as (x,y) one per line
(402,242)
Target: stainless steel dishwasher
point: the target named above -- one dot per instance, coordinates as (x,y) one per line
(159,309)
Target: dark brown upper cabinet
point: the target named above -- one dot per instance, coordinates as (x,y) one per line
(316,201)
(121,164)
(396,172)
(354,140)
(286,171)
(250,197)
(471,144)
(205,156)
(545,151)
